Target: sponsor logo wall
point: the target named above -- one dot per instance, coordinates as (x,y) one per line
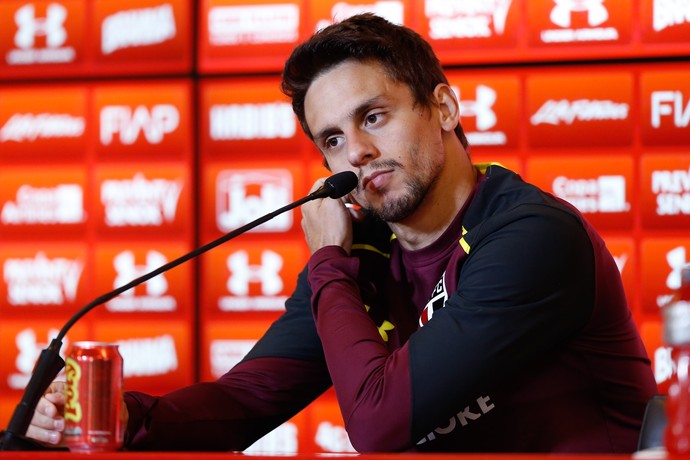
(130,135)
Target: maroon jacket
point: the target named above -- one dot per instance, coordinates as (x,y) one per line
(509,333)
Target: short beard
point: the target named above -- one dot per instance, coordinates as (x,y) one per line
(404,206)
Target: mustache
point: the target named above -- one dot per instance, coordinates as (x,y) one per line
(376,165)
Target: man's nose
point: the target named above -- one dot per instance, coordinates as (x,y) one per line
(360,149)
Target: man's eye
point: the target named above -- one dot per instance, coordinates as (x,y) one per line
(331,142)
(372,118)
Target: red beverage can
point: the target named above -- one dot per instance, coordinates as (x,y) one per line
(93,406)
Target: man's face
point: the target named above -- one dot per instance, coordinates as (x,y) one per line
(365,122)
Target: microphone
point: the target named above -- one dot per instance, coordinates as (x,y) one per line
(50,363)
(336,186)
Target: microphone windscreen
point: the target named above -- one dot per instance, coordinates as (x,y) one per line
(341,184)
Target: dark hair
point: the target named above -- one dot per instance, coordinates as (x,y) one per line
(403,53)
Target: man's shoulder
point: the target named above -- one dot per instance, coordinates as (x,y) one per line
(505,201)
(505,192)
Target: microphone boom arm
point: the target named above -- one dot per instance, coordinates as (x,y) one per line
(50,363)
(174,263)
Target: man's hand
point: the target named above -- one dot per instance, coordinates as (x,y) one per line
(327,222)
(48,423)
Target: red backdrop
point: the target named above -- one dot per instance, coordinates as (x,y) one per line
(133,131)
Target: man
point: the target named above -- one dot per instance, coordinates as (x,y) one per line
(461,310)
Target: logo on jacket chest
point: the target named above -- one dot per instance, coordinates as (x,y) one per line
(436,301)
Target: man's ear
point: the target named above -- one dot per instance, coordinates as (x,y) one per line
(449,108)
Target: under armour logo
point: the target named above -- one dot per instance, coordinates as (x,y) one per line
(676,259)
(30,27)
(127,270)
(596,11)
(481,107)
(267,273)
(29,348)
(384,328)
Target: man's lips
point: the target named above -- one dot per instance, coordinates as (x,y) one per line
(375,180)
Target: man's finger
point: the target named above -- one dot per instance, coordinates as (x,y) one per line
(47,422)
(57,387)
(43,435)
(58,399)
(48,405)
